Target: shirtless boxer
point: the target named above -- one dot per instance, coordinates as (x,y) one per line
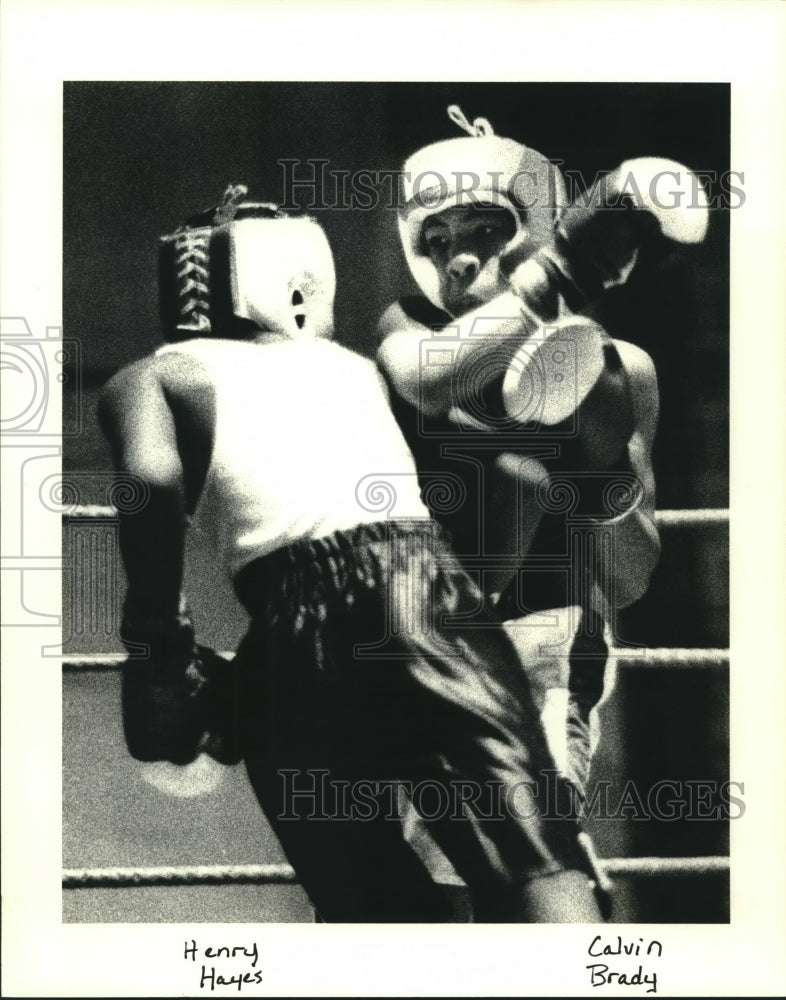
(504,386)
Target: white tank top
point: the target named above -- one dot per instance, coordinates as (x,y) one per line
(304,444)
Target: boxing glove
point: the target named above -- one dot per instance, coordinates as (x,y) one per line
(178,699)
(597,238)
(221,705)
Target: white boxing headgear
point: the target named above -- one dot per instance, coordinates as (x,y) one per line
(480,168)
(246,266)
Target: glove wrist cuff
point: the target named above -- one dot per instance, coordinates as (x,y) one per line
(581,280)
(161,636)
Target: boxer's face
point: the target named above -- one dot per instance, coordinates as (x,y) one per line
(464,244)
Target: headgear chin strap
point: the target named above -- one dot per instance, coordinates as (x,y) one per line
(480,168)
(244,267)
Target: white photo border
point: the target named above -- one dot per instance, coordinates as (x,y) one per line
(47,43)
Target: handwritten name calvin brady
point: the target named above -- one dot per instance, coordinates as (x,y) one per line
(601,974)
(210,978)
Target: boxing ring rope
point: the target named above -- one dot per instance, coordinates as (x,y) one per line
(704,517)
(649,657)
(124,878)
(283,874)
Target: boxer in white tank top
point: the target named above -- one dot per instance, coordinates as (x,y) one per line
(274,435)
(356,674)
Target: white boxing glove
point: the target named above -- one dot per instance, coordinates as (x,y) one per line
(553,371)
(672,193)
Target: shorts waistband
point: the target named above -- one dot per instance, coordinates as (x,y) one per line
(318,566)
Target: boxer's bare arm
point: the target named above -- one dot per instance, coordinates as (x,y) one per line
(636,540)
(496,329)
(136,418)
(430,387)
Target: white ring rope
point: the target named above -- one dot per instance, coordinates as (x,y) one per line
(704,517)
(670,657)
(119,878)
(664,867)
(664,657)
(283,874)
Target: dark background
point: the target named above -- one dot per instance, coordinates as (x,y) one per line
(141,157)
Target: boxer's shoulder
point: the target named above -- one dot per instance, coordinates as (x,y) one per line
(127,382)
(643,381)
(637,362)
(155,383)
(191,366)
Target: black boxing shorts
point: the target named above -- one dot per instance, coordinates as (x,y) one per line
(360,675)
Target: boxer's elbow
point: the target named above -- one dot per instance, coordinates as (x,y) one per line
(632,586)
(639,551)
(160,475)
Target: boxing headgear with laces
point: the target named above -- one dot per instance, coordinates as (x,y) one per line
(480,168)
(243,267)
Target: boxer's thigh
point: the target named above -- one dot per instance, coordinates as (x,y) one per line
(320,787)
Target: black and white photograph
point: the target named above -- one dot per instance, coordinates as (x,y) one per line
(368,498)
(628,392)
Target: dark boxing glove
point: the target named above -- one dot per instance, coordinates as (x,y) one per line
(221,705)
(178,698)
(597,238)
